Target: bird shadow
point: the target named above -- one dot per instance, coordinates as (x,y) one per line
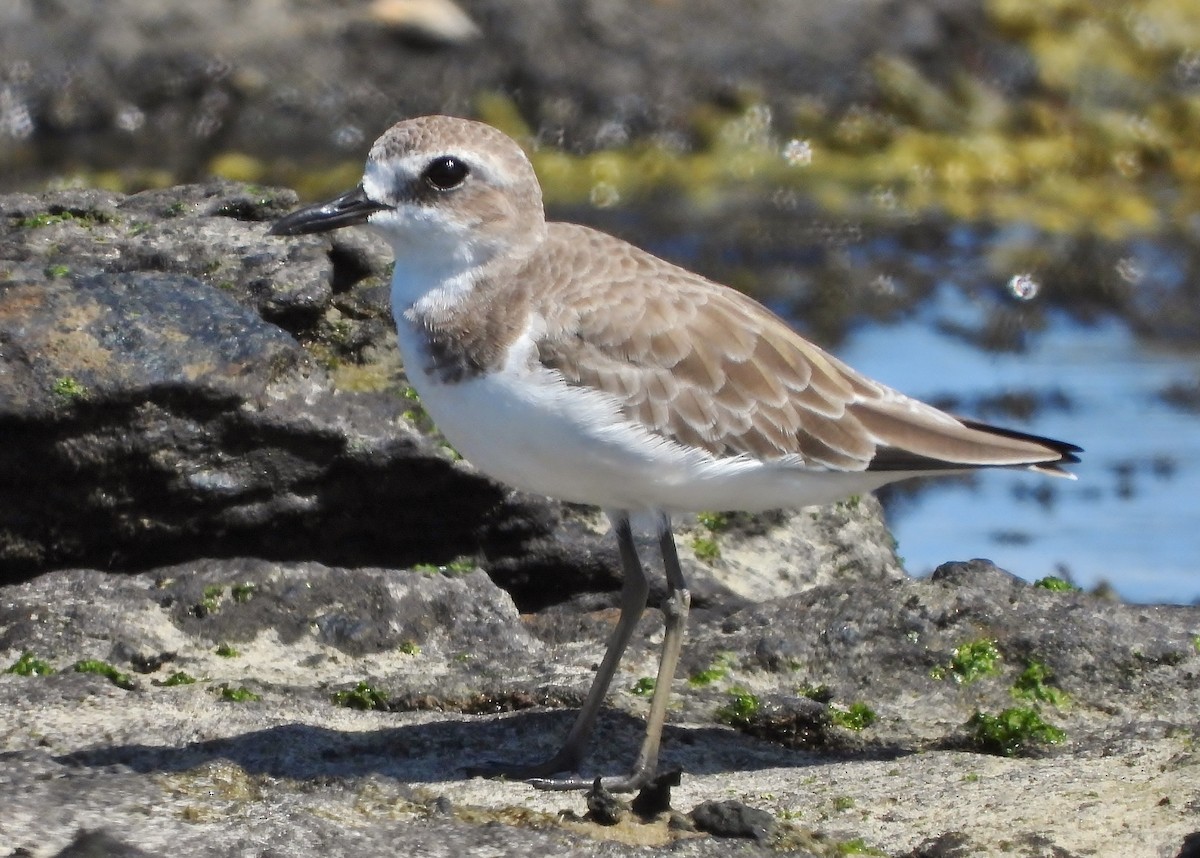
(447,750)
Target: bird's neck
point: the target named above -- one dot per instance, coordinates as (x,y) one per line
(458,321)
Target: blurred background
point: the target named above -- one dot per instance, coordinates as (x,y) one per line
(989,204)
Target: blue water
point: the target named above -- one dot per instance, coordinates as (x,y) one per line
(1131,519)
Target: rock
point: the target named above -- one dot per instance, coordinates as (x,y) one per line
(952,844)
(433,23)
(178,384)
(158,404)
(260,579)
(99,844)
(604,808)
(733,819)
(151,417)
(163,761)
(1191,846)
(131,84)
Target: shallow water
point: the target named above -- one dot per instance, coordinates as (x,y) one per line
(1132,518)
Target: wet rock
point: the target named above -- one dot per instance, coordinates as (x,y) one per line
(159,401)
(183,402)
(135,84)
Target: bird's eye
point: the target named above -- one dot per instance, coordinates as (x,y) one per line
(445,173)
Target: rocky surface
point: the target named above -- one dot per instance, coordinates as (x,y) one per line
(159,410)
(212,471)
(178,384)
(201,768)
(129,83)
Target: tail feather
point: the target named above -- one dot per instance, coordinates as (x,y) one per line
(1034,452)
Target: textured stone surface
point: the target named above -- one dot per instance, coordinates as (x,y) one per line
(158,402)
(175,384)
(462,678)
(128,83)
(210,467)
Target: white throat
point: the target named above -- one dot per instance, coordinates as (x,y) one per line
(436,260)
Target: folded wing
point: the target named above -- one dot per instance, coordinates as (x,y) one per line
(707,367)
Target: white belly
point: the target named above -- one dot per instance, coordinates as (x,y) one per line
(525,427)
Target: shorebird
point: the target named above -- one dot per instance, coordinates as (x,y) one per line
(566,362)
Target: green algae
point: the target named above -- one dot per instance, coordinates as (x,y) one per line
(363,696)
(970,661)
(69,388)
(857,716)
(1056,584)
(740,709)
(243,592)
(706,549)
(241,694)
(718,670)
(1013,732)
(1034,684)
(30,665)
(103,668)
(644,687)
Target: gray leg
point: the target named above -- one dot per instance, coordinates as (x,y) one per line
(675,614)
(675,611)
(634,593)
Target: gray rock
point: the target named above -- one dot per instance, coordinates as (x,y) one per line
(462,678)
(158,402)
(129,83)
(219,417)
(733,819)
(166,397)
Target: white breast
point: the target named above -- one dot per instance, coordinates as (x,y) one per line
(523,425)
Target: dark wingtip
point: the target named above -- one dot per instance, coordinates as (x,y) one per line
(1050,459)
(1067,452)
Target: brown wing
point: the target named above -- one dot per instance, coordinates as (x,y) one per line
(708,367)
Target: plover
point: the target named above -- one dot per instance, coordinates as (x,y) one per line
(566,362)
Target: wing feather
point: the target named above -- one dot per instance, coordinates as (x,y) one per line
(705,366)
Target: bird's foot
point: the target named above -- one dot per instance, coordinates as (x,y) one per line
(562,775)
(631,782)
(556,765)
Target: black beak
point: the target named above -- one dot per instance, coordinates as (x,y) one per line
(350,208)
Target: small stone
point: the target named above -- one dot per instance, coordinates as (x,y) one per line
(655,797)
(436,23)
(603,807)
(733,819)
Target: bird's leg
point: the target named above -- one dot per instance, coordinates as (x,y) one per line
(675,612)
(634,592)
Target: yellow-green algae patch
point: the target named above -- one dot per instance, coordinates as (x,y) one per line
(1106,140)
(1102,139)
